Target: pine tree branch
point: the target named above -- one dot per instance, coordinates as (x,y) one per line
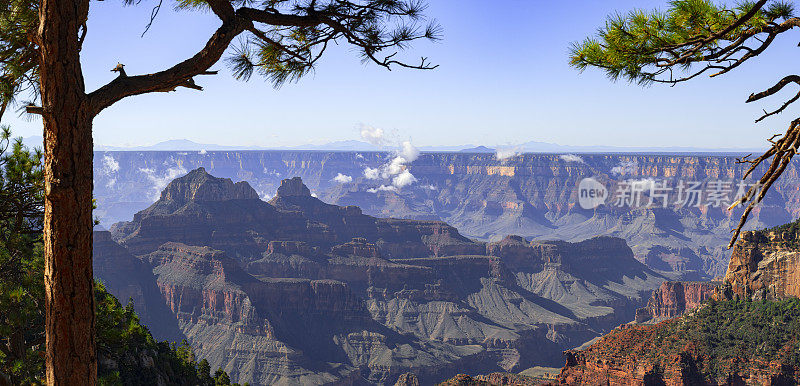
(171,78)
(275,18)
(299,38)
(31,109)
(3,106)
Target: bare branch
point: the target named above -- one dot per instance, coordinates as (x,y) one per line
(31,109)
(781,153)
(780,109)
(774,89)
(3,106)
(153,15)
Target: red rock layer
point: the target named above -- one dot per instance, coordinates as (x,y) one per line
(673,299)
(628,356)
(764,265)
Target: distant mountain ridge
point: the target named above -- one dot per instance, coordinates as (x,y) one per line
(356,145)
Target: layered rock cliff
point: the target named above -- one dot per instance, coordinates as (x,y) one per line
(300,291)
(198,209)
(533,195)
(724,343)
(131,279)
(746,333)
(765,264)
(673,299)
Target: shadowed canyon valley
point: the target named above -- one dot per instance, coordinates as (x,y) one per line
(277,271)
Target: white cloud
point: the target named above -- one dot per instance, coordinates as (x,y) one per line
(343,178)
(373,135)
(371,173)
(110,165)
(429,187)
(271,172)
(382,188)
(159,182)
(571,158)
(396,169)
(504,154)
(404,179)
(109,169)
(203,152)
(625,168)
(409,152)
(266,196)
(359,156)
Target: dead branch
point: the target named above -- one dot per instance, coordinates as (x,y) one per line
(781,153)
(31,109)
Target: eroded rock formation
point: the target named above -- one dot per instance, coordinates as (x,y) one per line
(765,265)
(673,299)
(635,355)
(300,291)
(533,195)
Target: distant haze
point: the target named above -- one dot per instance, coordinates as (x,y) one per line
(355,145)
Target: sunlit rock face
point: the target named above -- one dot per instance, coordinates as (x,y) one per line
(533,195)
(765,265)
(673,299)
(296,290)
(625,358)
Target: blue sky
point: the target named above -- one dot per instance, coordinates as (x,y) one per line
(503,79)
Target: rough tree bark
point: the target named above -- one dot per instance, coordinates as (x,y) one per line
(67,112)
(67,118)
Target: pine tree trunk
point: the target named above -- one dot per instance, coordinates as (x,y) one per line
(69,303)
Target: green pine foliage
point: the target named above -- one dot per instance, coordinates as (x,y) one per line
(127,353)
(788,232)
(19,57)
(722,333)
(373,26)
(21,262)
(720,340)
(642,46)
(791,228)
